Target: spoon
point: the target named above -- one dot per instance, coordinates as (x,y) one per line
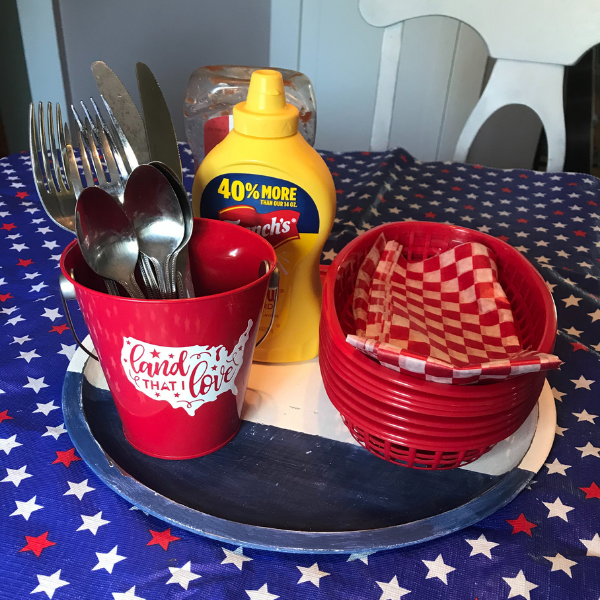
(180,268)
(107,239)
(154,211)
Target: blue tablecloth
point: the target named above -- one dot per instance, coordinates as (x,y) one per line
(64,534)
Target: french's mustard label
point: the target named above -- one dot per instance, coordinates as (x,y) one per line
(274,208)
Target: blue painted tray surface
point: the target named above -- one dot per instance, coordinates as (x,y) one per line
(278,489)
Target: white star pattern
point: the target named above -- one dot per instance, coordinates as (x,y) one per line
(235,557)
(362,556)
(55,432)
(558,509)
(437,568)
(49,584)
(585,416)
(36,384)
(91,523)
(108,560)
(401,189)
(391,590)
(128,595)
(16,475)
(78,489)
(261,594)
(311,574)
(589,450)
(8,444)
(481,546)
(593,546)
(560,563)
(52,314)
(46,408)
(26,508)
(183,576)
(557,467)
(519,586)
(582,382)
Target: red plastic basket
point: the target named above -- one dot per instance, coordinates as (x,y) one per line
(384,410)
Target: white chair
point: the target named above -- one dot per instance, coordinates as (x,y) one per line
(531,40)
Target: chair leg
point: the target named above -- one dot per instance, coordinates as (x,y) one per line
(536,85)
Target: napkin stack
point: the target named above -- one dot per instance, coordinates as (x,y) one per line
(444,319)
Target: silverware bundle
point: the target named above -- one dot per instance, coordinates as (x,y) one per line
(130,211)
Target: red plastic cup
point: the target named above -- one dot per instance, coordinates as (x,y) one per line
(178,369)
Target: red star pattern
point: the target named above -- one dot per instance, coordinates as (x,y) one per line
(37,544)
(4,415)
(538,212)
(591,492)
(66,458)
(578,346)
(162,538)
(59,329)
(521,524)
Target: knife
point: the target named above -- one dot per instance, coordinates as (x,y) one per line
(160,133)
(125,112)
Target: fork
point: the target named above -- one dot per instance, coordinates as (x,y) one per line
(93,132)
(53,184)
(55,187)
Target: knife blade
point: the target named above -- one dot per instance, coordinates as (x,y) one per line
(124,110)
(160,133)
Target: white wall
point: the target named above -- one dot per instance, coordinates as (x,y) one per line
(172,37)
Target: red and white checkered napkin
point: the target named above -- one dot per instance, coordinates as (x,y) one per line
(445,319)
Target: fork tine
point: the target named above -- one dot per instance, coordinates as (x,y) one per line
(62,143)
(44,149)
(55,162)
(100,175)
(93,127)
(107,152)
(34,153)
(84,149)
(71,165)
(129,154)
(114,153)
(89,178)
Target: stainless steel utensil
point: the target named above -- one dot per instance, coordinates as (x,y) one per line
(123,111)
(107,238)
(180,267)
(162,141)
(115,184)
(53,183)
(90,136)
(155,213)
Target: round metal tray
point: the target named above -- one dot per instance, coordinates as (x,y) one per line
(292,480)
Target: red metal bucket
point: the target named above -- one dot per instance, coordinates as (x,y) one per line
(178,369)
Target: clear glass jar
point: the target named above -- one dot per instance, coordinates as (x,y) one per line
(213,91)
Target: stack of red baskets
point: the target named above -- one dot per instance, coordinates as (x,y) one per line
(417,423)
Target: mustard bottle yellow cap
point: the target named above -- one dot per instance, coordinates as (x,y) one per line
(265,113)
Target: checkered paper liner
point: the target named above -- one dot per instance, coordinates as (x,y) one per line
(445,319)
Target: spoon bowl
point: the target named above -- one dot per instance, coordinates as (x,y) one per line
(179,268)
(154,210)
(107,239)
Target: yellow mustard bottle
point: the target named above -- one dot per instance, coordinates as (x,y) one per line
(265,177)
